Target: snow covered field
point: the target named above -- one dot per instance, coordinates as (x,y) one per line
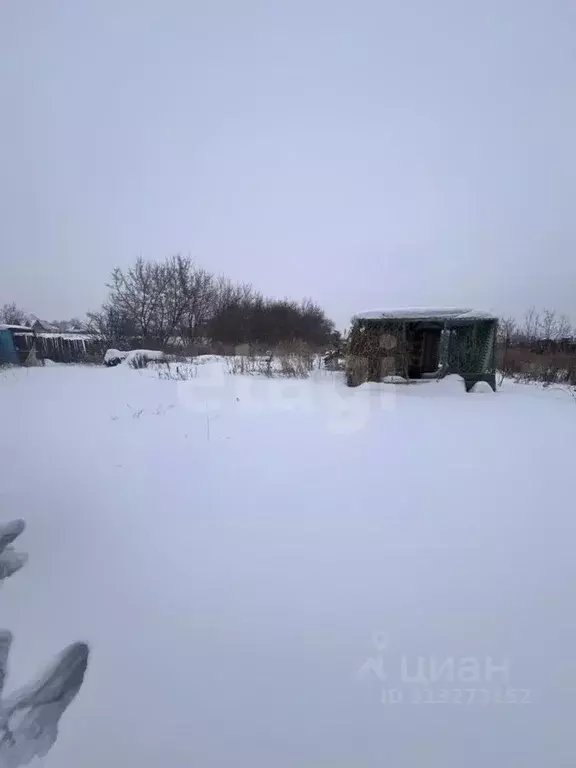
(293,574)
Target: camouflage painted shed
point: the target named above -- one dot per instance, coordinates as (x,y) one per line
(419,343)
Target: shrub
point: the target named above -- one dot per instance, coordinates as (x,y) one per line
(178,369)
(139,358)
(293,360)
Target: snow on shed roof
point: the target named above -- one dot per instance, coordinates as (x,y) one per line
(11,327)
(25,329)
(68,336)
(424,313)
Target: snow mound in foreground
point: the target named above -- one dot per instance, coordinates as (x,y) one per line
(134,357)
(142,356)
(114,356)
(482,387)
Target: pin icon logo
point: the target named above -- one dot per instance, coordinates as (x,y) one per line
(375,664)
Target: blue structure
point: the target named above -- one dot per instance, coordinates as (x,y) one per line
(8,352)
(16,342)
(21,345)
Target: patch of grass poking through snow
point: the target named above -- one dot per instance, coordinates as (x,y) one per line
(250,365)
(181,370)
(294,360)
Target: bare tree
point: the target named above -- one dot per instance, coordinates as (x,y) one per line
(161,301)
(115,327)
(201,296)
(531,329)
(174,301)
(132,294)
(11,314)
(555,327)
(507,329)
(548,325)
(140,294)
(170,285)
(563,328)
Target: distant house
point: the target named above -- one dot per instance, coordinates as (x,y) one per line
(43,326)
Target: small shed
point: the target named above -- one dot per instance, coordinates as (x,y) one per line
(17,345)
(21,345)
(417,343)
(66,347)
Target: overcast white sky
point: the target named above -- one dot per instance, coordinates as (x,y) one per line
(364,153)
